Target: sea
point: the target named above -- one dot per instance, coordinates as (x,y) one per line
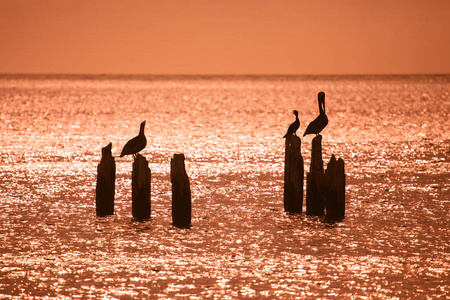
(393,133)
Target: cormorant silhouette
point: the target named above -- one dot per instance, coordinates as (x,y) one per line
(136,144)
(316,126)
(294,126)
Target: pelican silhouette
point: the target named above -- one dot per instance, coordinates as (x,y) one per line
(136,144)
(316,126)
(294,126)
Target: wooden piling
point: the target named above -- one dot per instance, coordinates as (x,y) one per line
(293,175)
(315,181)
(335,189)
(106,182)
(141,188)
(181,192)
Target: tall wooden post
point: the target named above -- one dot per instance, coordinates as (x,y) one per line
(106,182)
(141,188)
(181,192)
(335,189)
(315,181)
(293,175)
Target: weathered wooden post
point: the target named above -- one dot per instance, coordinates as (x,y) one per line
(335,189)
(106,182)
(181,192)
(141,188)
(315,185)
(293,175)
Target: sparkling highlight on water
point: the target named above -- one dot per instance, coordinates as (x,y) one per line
(392,133)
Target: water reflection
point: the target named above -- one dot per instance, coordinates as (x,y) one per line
(393,242)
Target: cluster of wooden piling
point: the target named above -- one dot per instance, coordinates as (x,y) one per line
(141,188)
(325,190)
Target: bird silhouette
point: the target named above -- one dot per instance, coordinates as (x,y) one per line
(136,144)
(316,126)
(294,126)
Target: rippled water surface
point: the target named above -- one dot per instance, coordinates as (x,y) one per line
(392,132)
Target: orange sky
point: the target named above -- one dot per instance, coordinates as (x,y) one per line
(225,36)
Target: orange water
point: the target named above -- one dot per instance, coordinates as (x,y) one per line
(392,132)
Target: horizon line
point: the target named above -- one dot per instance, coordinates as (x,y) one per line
(37,74)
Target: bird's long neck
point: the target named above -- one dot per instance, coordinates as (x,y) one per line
(141,131)
(321,110)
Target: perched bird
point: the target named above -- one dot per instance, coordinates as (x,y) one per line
(136,144)
(321,121)
(294,126)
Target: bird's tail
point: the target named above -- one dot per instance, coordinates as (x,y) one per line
(307,131)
